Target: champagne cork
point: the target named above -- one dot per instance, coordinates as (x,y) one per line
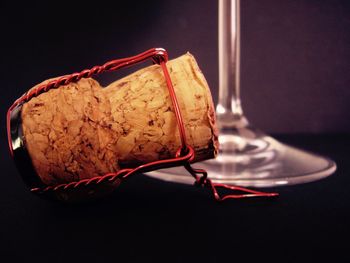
(82,130)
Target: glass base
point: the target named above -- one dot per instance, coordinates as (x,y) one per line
(250,158)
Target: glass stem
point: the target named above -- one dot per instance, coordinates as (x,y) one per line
(228,109)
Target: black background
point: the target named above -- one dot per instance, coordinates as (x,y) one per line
(295,78)
(146,220)
(295,53)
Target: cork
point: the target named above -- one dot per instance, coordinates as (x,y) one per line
(83,130)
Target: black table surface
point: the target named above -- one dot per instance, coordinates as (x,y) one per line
(147,220)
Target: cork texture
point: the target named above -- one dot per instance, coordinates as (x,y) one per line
(82,130)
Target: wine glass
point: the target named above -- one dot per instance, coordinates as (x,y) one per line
(247,156)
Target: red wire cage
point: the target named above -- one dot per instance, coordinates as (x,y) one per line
(183,157)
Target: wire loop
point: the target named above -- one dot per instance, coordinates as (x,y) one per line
(184,155)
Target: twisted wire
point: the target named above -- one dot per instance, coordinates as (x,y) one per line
(184,156)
